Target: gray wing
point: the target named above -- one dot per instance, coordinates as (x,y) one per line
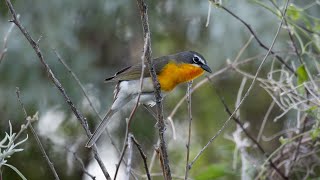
(134,72)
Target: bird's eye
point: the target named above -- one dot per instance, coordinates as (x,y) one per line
(196,60)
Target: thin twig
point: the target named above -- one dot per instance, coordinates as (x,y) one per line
(36,137)
(256,37)
(134,108)
(296,153)
(23,127)
(83,167)
(120,160)
(57,83)
(154,155)
(130,150)
(243,49)
(209,142)
(308,30)
(248,135)
(189,132)
(209,13)
(264,121)
(157,92)
(143,156)
(77,80)
(251,138)
(5,40)
(85,95)
(289,32)
(44,152)
(297,150)
(124,147)
(247,92)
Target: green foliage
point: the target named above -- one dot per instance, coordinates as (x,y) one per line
(215,171)
(302,77)
(315,134)
(294,12)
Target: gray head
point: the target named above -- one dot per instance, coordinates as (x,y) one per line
(192,57)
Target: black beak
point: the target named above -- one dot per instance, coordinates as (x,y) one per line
(206,68)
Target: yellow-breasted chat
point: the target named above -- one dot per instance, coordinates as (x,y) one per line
(171,70)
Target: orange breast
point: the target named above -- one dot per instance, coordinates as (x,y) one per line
(174,74)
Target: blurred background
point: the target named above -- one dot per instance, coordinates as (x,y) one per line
(97,38)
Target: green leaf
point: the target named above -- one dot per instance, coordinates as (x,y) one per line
(17,171)
(315,134)
(283,140)
(294,12)
(302,77)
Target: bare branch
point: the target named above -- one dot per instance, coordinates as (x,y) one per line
(153,158)
(120,160)
(77,158)
(264,121)
(77,80)
(251,138)
(5,40)
(130,150)
(36,137)
(126,141)
(289,33)
(247,92)
(57,83)
(143,156)
(297,151)
(156,84)
(85,95)
(256,37)
(189,133)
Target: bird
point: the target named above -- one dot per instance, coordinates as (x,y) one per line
(171,71)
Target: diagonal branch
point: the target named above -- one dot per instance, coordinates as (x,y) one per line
(257,38)
(251,137)
(143,156)
(289,33)
(248,90)
(36,137)
(156,84)
(80,162)
(60,59)
(57,83)
(5,41)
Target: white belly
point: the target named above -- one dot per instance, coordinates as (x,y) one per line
(133,86)
(129,90)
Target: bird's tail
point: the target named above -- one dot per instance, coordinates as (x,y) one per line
(101,127)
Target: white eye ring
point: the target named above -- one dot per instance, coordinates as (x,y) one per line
(197,60)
